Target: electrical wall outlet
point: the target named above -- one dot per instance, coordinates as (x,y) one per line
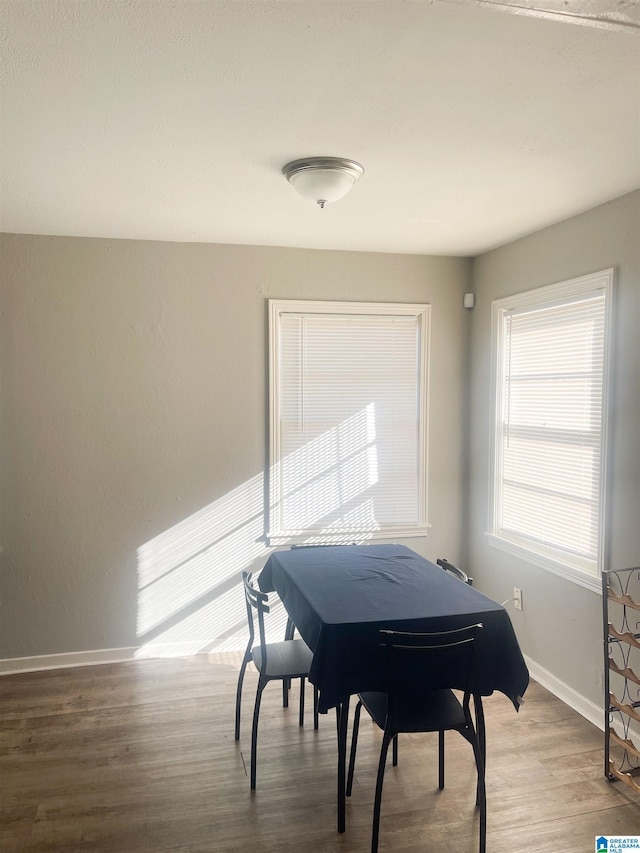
(517,594)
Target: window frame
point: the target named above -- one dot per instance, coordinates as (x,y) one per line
(561,293)
(422,314)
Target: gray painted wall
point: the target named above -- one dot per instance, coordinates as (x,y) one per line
(560,626)
(132,439)
(132,431)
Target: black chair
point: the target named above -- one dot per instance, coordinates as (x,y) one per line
(461,575)
(422,670)
(289,633)
(274,662)
(454,570)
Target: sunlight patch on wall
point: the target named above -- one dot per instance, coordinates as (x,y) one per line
(183,564)
(190,596)
(188,576)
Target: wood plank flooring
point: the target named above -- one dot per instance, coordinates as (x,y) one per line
(141,757)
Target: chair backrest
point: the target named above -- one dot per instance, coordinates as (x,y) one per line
(418,664)
(454,570)
(257,605)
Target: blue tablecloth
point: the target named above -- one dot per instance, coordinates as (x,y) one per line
(340,596)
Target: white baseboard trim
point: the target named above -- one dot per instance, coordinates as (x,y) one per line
(10,666)
(585,707)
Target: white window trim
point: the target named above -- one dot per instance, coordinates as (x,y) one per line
(598,281)
(422,313)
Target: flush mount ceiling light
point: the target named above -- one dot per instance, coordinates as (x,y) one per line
(322,179)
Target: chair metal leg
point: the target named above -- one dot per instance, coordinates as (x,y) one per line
(342,718)
(302,683)
(354,746)
(386,740)
(441,760)
(480,727)
(254,732)
(316,697)
(482,794)
(394,751)
(243,668)
(289,631)
(481,734)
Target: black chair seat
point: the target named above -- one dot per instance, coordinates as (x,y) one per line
(439,710)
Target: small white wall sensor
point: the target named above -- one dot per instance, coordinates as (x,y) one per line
(469,300)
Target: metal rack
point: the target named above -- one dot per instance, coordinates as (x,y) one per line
(621,628)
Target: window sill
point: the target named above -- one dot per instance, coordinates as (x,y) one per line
(592,582)
(337,537)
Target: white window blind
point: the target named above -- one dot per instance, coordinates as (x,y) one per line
(348,419)
(550,421)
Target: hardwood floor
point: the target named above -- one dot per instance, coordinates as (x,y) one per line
(141,757)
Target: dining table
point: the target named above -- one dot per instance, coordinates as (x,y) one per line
(339,597)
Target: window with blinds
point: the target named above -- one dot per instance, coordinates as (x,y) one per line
(550,417)
(348,420)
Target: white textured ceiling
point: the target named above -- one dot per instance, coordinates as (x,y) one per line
(171,120)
